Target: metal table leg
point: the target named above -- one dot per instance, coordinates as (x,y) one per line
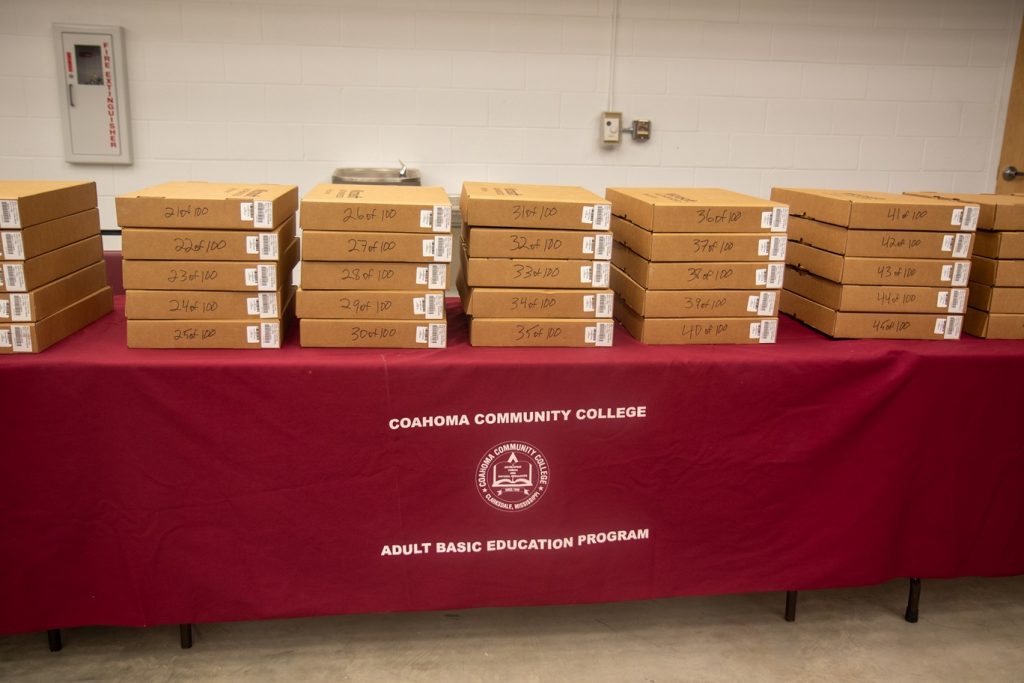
(790,605)
(913,600)
(56,643)
(185,631)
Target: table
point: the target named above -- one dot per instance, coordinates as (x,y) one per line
(144,487)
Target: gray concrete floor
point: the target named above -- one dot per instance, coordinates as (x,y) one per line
(970,630)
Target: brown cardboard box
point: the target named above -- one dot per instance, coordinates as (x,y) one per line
(719,275)
(999,245)
(996,299)
(699,247)
(374,276)
(44,301)
(487,302)
(142,244)
(536,273)
(220,276)
(870,325)
(369,305)
(876,298)
(37,336)
(540,332)
(211,334)
(372,334)
(377,208)
(24,203)
(375,247)
(702,303)
(855,270)
(155,304)
(517,205)
(220,206)
(880,243)
(996,211)
(545,244)
(696,330)
(870,210)
(35,240)
(999,273)
(24,276)
(696,209)
(994,325)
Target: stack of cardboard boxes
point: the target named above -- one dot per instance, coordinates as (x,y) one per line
(996,300)
(208,265)
(535,265)
(697,265)
(53,281)
(876,265)
(375,265)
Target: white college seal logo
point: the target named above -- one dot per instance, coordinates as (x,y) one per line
(512,476)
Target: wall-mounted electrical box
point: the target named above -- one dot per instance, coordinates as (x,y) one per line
(93,80)
(611,127)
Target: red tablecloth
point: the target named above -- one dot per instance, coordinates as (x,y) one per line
(145,487)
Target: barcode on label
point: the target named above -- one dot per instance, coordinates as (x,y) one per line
(252,305)
(437,275)
(778,249)
(957,300)
(442,248)
(268,277)
(245,211)
(776,271)
(763,247)
(947,243)
(954,325)
(588,215)
(268,247)
(768,332)
(14,246)
(766,303)
(264,211)
(268,305)
(252,334)
(428,248)
(421,275)
(752,303)
(270,335)
(21,308)
(761,277)
(586,274)
(958,217)
(599,334)
(252,244)
(602,274)
(437,336)
(21,340)
(251,277)
(602,216)
(426,218)
(943,301)
(5,338)
(780,219)
(589,303)
(603,247)
(947,273)
(5,308)
(962,246)
(433,306)
(961,270)
(588,245)
(969,223)
(766,220)
(14,277)
(604,305)
(10,217)
(442,218)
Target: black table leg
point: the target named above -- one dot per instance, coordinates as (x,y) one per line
(56,643)
(913,600)
(790,605)
(186,635)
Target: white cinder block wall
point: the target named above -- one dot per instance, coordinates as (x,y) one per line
(744,94)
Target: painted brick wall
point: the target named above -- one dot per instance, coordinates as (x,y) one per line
(745,94)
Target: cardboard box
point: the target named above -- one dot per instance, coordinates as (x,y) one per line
(372,334)
(142,244)
(377,208)
(996,211)
(44,301)
(719,275)
(999,245)
(876,298)
(705,303)
(375,247)
(369,305)
(996,299)
(696,209)
(856,270)
(24,203)
(994,325)
(870,210)
(870,325)
(517,205)
(699,247)
(217,276)
(999,273)
(696,330)
(154,304)
(35,240)
(536,273)
(543,244)
(211,334)
(880,243)
(218,206)
(36,336)
(374,276)
(540,332)
(24,276)
(487,302)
